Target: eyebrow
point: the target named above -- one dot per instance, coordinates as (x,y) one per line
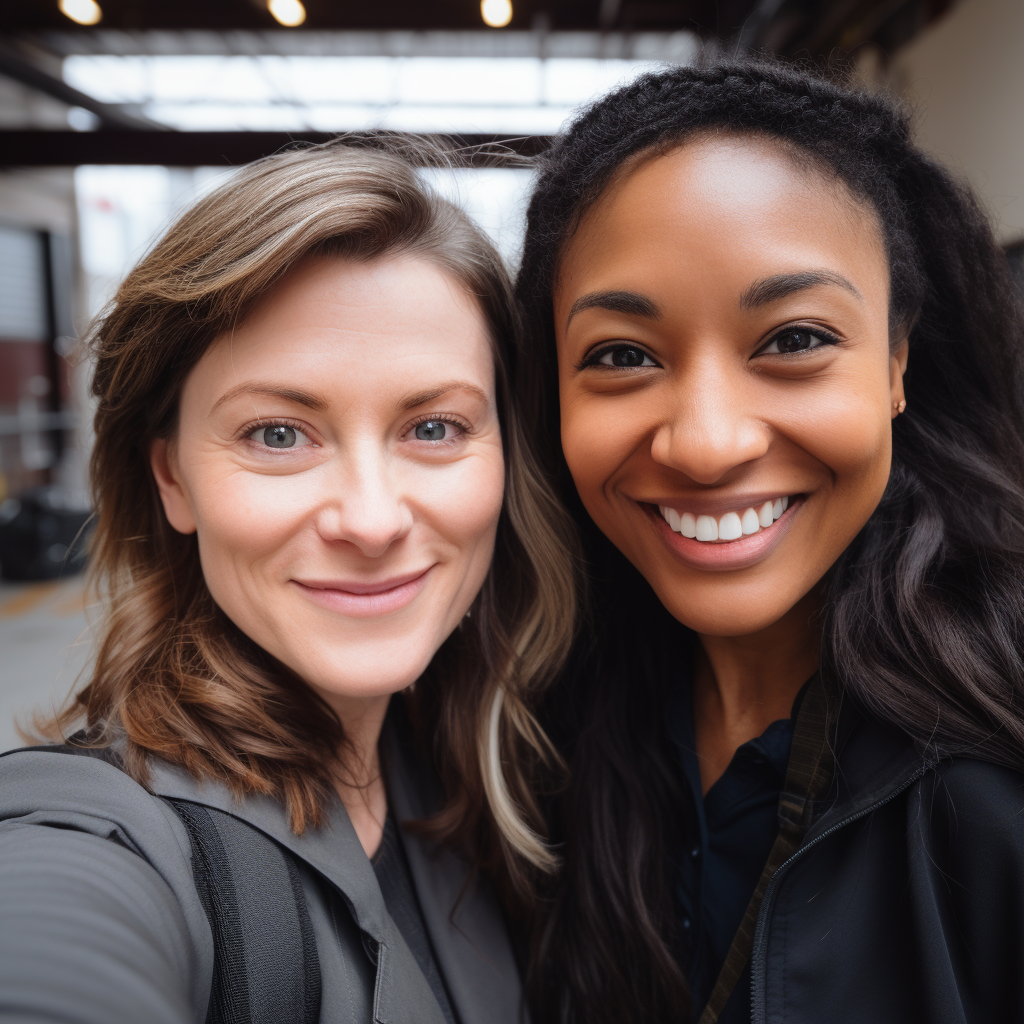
(307,398)
(771,289)
(630,303)
(422,397)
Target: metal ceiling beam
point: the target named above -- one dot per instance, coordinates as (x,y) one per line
(220,149)
(671,46)
(325,15)
(245,26)
(14,65)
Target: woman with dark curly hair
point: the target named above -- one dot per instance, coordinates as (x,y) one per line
(782,352)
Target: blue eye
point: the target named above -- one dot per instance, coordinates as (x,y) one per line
(432,430)
(279,437)
(624,356)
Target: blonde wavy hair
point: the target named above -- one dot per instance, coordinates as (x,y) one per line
(173,677)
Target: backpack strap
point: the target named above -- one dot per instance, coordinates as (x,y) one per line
(266,969)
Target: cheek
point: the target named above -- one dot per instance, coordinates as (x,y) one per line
(598,436)
(847,428)
(464,502)
(246,521)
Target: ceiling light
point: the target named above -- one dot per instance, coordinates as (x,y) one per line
(496,13)
(85,12)
(288,12)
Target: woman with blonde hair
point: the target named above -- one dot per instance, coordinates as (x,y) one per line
(313,493)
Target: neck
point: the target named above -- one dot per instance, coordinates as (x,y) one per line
(359,781)
(744,683)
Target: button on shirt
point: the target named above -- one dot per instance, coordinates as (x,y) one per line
(731,833)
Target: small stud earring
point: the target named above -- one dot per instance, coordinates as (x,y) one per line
(901,405)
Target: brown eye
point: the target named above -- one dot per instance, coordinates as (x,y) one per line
(796,340)
(625,356)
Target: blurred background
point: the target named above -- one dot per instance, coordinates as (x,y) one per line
(114,114)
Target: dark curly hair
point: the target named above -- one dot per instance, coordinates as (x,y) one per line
(924,624)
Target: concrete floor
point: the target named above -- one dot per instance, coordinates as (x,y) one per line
(45,645)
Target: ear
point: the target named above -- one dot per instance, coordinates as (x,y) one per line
(177,506)
(897,367)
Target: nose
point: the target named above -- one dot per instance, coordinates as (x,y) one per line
(710,424)
(364,506)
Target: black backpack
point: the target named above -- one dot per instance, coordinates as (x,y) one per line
(265,964)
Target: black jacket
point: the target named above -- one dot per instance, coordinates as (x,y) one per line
(905,902)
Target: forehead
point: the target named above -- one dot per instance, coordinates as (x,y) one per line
(351,327)
(721,208)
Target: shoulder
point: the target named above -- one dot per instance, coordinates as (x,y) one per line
(90,795)
(975,807)
(991,789)
(96,889)
(56,796)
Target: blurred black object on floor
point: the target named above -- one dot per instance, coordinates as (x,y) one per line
(1015,257)
(43,536)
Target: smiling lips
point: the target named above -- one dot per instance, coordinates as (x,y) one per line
(364,599)
(731,540)
(730,526)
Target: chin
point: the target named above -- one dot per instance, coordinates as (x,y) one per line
(724,614)
(364,674)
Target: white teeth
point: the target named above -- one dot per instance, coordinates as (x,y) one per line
(749,522)
(707,528)
(730,526)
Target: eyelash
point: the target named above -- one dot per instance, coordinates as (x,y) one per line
(826,336)
(593,358)
(443,417)
(277,421)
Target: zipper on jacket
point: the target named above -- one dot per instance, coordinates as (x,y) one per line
(757,960)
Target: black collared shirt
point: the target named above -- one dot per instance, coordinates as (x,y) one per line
(733,829)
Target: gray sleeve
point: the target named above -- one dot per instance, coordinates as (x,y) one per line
(89,932)
(100,922)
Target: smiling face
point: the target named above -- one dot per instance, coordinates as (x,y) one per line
(726,378)
(340,458)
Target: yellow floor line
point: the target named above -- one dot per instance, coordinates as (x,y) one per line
(73,604)
(28,599)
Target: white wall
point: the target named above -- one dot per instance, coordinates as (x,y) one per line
(966,75)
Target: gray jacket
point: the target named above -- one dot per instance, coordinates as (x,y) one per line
(100,921)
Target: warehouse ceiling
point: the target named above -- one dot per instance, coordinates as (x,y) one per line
(37,40)
(813,27)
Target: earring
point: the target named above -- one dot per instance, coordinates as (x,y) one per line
(899,406)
